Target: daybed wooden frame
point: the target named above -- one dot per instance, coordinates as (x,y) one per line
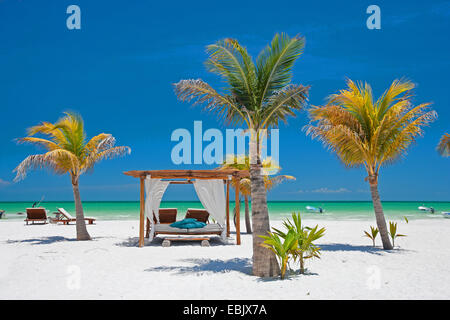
(185,177)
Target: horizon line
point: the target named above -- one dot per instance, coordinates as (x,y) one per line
(84,201)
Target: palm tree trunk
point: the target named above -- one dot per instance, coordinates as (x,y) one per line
(265,263)
(283,268)
(379,215)
(82,233)
(302,265)
(248,225)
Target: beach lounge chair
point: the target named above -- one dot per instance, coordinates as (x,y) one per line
(166,216)
(36,215)
(200,214)
(63,216)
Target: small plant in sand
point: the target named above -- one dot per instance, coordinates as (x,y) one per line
(393,232)
(282,247)
(304,247)
(372,235)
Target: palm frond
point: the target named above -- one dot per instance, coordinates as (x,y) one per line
(274,64)
(200,93)
(391,95)
(59,160)
(109,153)
(407,135)
(444,145)
(47,128)
(363,132)
(259,96)
(272,182)
(232,61)
(101,141)
(283,103)
(242,162)
(67,150)
(72,127)
(44,143)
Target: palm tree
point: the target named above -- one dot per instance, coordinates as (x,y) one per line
(258,95)
(68,152)
(444,145)
(242,162)
(370,134)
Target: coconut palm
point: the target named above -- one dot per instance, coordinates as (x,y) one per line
(370,134)
(243,163)
(258,95)
(444,145)
(68,152)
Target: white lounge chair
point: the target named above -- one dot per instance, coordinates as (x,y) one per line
(63,216)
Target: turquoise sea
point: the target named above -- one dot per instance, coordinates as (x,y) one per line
(360,210)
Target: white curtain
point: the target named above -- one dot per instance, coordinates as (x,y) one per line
(154,191)
(212,196)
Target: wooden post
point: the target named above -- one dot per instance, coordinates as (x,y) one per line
(238,220)
(142,213)
(228,208)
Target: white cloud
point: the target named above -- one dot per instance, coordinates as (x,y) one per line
(4,182)
(325,190)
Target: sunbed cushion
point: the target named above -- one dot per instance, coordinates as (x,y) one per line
(189,223)
(209,228)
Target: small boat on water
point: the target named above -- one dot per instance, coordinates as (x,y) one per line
(446,214)
(314,209)
(426,209)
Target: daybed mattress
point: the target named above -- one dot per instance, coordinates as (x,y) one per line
(212,228)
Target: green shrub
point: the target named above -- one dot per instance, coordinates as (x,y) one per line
(298,242)
(282,247)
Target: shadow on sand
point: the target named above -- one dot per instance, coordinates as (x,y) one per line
(350,247)
(44,240)
(157,242)
(291,275)
(242,265)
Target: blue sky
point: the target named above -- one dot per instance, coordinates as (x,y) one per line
(118,70)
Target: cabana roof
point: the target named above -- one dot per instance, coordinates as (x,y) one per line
(189,174)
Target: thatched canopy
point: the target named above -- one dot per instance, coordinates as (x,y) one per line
(189,174)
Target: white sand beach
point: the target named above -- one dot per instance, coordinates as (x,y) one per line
(45,262)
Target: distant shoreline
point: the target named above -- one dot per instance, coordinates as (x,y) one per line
(273,201)
(278,210)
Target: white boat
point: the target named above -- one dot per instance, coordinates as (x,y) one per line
(426,209)
(314,209)
(446,214)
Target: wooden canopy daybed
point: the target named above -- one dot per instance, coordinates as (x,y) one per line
(167,177)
